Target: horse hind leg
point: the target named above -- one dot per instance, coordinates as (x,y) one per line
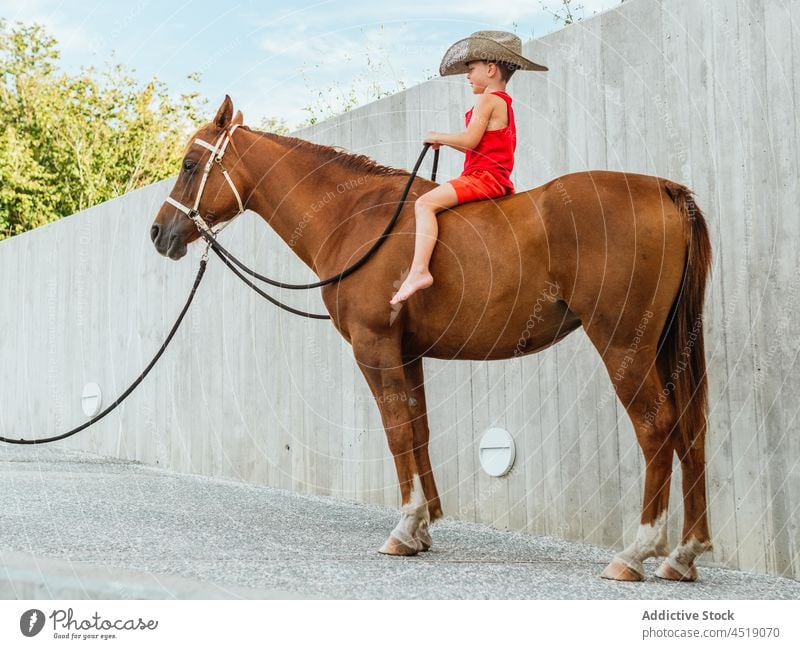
(696,538)
(653,424)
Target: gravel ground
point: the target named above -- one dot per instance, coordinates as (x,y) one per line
(79,525)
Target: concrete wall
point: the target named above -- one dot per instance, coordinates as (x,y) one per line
(703,93)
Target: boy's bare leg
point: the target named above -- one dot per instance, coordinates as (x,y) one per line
(425,210)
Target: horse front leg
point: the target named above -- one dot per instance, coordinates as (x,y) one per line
(380,362)
(418,408)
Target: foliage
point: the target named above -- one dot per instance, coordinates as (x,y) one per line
(68,142)
(566,13)
(274,125)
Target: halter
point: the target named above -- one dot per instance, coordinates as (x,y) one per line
(217,151)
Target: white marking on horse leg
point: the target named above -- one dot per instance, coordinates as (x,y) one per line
(411,515)
(681,559)
(423,534)
(651,541)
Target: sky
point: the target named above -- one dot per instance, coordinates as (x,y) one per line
(277,58)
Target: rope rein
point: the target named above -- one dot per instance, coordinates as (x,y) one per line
(231,261)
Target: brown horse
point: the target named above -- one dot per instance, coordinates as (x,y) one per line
(625,256)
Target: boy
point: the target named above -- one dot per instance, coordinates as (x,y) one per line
(489,58)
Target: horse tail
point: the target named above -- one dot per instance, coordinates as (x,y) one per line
(682,349)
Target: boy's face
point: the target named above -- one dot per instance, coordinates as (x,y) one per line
(479,74)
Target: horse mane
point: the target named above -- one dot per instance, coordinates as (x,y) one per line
(352,161)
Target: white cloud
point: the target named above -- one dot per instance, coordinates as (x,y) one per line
(70,36)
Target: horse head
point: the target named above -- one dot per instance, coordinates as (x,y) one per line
(209,187)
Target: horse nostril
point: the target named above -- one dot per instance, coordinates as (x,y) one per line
(154,232)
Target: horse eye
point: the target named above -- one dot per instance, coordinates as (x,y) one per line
(188,165)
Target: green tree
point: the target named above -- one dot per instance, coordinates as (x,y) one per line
(68,142)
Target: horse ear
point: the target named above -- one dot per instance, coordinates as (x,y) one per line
(224,114)
(238,118)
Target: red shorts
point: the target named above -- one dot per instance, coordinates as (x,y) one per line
(478,186)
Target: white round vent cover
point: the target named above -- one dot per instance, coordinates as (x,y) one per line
(497,452)
(91,399)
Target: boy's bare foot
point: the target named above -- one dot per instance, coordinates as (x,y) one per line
(413,283)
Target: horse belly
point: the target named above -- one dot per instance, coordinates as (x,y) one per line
(491,329)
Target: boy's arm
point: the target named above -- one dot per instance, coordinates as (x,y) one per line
(469,138)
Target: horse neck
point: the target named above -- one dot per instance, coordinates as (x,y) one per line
(317,205)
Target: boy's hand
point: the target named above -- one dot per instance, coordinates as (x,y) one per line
(432,138)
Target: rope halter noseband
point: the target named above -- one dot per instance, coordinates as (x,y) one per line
(217,151)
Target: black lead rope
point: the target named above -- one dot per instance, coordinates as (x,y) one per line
(251,284)
(231,261)
(133,385)
(227,258)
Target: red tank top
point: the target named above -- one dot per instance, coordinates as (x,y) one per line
(495,151)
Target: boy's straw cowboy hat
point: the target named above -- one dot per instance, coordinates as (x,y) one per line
(503,47)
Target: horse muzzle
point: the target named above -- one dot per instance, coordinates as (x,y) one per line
(169,241)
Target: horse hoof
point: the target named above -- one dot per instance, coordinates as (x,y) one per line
(397,548)
(621,571)
(666,571)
